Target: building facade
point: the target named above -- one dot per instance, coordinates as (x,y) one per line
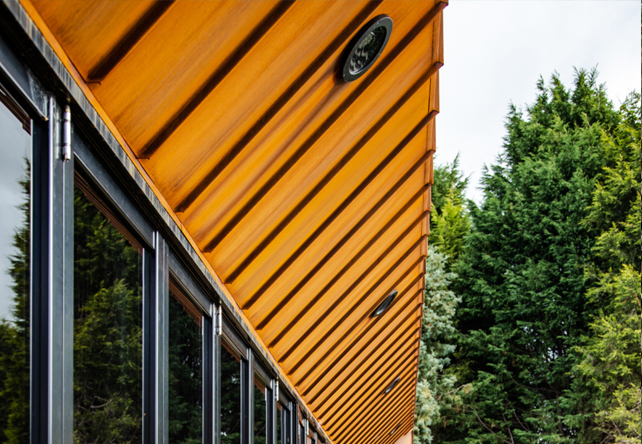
(215,219)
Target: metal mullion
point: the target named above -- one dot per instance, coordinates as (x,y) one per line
(149,347)
(162,339)
(68,298)
(39,283)
(246,400)
(249,398)
(59,291)
(216,371)
(211,381)
(272,407)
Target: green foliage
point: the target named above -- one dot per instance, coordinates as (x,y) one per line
(449,181)
(449,226)
(450,222)
(449,219)
(611,360)
(107,330)
(435,391)
(526,305)
(14,334)
(607,384)
(230,398)
(185,373)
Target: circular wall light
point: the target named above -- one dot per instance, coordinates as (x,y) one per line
(366,47)
(385,304)
(391,386)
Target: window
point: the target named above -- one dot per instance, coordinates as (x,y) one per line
(15,254)
(260,411)
(185,355)
(283,421)
(108,329)
(230,396)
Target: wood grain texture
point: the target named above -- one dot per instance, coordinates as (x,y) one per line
(308,196)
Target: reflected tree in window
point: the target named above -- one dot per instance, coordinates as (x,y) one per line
(14,328)
(107,330)
(230,398)
(185,374)
(260,411)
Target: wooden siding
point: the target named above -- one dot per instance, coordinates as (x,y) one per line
(308,196)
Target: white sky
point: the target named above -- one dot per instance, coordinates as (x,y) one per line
(15,144)
(495,51)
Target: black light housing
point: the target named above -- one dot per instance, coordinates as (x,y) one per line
(366,47)
(392,432)
(391,386)
(385,304)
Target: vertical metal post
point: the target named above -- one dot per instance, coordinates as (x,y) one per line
(149,347)
(60,284)
(40,422)
(67,400)
(208,381)
(155,343)
(216,375)
(162,339)
(248,383)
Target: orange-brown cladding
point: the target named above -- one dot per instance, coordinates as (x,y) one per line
(307,195)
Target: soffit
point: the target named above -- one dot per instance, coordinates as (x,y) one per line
(307,195)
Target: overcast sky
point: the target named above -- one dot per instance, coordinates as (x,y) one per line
(495,51)
(15,144)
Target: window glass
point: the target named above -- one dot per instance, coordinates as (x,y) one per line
(107,325)
(260,404)
(282,424)
(185,370)
(279,426)
(15,229)
(230,397)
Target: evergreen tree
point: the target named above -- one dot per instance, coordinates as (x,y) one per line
(607,385)
(449,223)
(449,218)
(522,278)
(448,181)
(435,391)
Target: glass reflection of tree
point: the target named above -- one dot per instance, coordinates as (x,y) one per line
(107,330)
(230,398)
(14,334)
(185,393)
(259,413)
(279,438)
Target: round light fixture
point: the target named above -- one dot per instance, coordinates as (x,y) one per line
(385,304)
(366,47)
(391,386)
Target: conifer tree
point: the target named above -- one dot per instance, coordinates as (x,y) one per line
(449,223)
(607,385)
(522,279)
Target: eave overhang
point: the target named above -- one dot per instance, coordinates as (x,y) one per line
(306,197)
